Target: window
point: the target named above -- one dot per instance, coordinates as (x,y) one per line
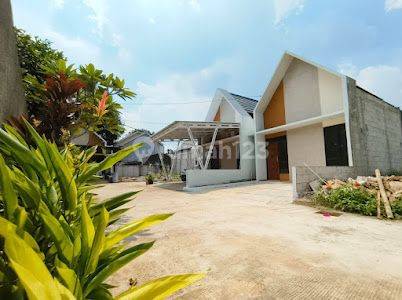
(336,150)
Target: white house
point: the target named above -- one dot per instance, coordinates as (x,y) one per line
(308,117)
(224,142)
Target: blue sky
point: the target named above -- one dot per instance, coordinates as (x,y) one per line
(172,52)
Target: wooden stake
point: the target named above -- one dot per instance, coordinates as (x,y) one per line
(387,206)
(379,205)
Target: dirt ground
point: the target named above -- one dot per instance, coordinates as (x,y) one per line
(254,243)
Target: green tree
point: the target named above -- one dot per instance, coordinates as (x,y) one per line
(39,62)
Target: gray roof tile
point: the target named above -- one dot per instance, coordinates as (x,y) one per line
(247,103)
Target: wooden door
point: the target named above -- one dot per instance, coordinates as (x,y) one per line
(273,161)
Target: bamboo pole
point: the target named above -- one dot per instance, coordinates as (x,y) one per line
(387,206)
(379,205)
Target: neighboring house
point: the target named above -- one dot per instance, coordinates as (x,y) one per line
(183,158)
(141,155)
(223,144)
(311,115)
(87,138)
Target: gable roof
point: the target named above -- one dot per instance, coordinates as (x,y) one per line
(247,103)
(242,105)
(131,136)
(280,72)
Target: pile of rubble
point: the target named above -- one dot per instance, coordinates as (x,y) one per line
(387,189)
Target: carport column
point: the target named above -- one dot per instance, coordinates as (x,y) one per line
(162,162)
(197,154)
(174,160)
(211,147)
(260,157)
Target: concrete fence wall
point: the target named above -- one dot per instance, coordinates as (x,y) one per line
(136,170)
(302,176)
(375,130)
(196,178)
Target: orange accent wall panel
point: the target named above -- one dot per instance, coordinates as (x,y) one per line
(218,116)
(274,115)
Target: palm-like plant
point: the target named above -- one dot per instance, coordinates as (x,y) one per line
(49,248)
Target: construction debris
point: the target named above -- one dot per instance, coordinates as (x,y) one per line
(384,195)
(315,185)
(386,189)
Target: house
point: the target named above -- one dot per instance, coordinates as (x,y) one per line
(315,118)
(183,158)
(310,122)
(223,143)
(148,149)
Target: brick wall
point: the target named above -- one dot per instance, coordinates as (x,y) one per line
(302,176)
(12,100)
(376,131)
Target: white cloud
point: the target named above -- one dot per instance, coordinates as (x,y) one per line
(76,49)
(152,21)
(195,4)
(348,69)
(382,80)
(178,89)
(393,4)
(283,8)
(58,3)
(99,14)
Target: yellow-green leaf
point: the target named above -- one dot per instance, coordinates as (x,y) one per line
(30,269)
(127,230)
(6,227)
(97,244)
(64,293)
(160,288)
(108,269)
(70,280)
(60,238)
(8,193)
(64,177)
(107,163)
(87,233)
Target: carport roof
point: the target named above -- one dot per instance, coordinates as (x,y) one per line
(178,130)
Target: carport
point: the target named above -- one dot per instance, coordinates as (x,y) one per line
(203,135)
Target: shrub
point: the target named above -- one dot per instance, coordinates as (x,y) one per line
(349,199)
(149,178)
(397,207)
(55,240)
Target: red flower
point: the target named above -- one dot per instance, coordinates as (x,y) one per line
(101,109)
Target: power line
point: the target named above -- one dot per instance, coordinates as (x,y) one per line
(155,123)
(170,103)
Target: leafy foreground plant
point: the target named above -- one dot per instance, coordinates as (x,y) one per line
(54,240)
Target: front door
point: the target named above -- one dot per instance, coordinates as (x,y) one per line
(273,161)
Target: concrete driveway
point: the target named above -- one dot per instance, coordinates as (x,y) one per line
(254,243)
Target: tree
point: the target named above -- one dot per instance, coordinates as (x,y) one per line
(39,63)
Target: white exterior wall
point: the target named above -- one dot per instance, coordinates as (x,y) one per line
(331,95)
(230,111)
(306,145)
(302,96)
(227,112)
(303,101)
(309,91)
(195,178)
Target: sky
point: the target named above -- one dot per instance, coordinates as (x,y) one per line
(175,53)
